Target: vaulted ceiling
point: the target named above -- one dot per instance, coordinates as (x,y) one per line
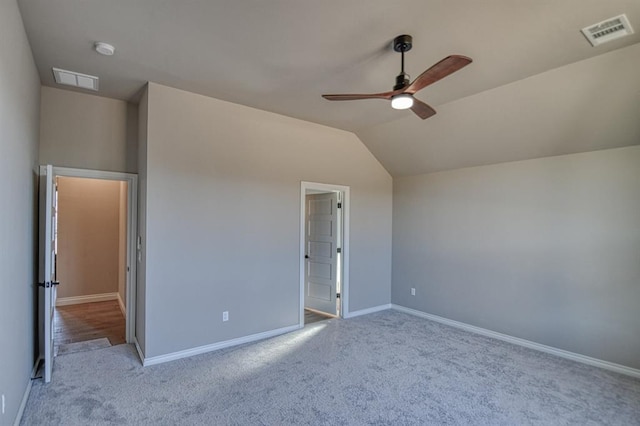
(536,86)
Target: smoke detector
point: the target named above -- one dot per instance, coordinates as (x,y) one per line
(104,48)
(608,30)
(75,79)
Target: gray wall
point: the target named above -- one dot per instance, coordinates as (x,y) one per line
(19,116)
(87,131)
(547,250)
(222,218)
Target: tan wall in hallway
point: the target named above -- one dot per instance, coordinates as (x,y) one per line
(88,236)
(122,241)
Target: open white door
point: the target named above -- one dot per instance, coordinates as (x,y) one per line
(47,281)
(321,265)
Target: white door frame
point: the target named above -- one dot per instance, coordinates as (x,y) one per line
(346,208)
(132,231)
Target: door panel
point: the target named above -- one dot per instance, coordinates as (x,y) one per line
(318,249)
(321,228)
(320,270)
(321,252)
(47,281)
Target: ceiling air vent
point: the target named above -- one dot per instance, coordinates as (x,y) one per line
(71,78)
(608,30)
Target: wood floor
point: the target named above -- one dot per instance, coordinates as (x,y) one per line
(314,316)
(88,321)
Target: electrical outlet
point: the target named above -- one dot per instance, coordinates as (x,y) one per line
(225,316)
(413,291)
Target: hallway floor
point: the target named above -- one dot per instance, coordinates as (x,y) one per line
(311,316)
(89,321)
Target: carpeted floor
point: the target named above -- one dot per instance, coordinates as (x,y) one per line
(387,368)
(87,345)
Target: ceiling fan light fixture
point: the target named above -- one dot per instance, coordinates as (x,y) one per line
(402,101)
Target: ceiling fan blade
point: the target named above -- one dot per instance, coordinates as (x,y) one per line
(421,109)
(355,97)
(447,66)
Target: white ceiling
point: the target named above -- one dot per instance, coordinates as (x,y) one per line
(531,91)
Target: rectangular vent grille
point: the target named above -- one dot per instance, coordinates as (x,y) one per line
(75,79)
(608,30)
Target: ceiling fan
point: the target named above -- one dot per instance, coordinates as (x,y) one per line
(402,94)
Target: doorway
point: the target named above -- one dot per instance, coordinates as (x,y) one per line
(324,251)
(99,302)
(90,255)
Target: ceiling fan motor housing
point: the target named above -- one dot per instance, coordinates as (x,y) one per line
(403,43)
(402,81)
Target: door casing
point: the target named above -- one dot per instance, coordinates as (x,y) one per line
(346,206)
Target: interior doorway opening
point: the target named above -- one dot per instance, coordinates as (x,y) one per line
(91,262)
(324,251)
(122,250)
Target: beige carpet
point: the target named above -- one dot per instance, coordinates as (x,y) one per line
(87,345)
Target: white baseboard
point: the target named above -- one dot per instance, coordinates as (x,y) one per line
(27,392)
(215,346)
(618,368)
(368,311)
(123,308)
(90,298)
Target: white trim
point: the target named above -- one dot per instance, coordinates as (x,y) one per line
(633,372)
(216,346)
(132,257)
(139,349)
(91,174)
(132,232)
(346,214)
(89,298)
(123,308)
(368,311)
(27,392)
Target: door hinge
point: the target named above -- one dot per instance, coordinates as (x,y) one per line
(337,295)
(339,205)
(339,250)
